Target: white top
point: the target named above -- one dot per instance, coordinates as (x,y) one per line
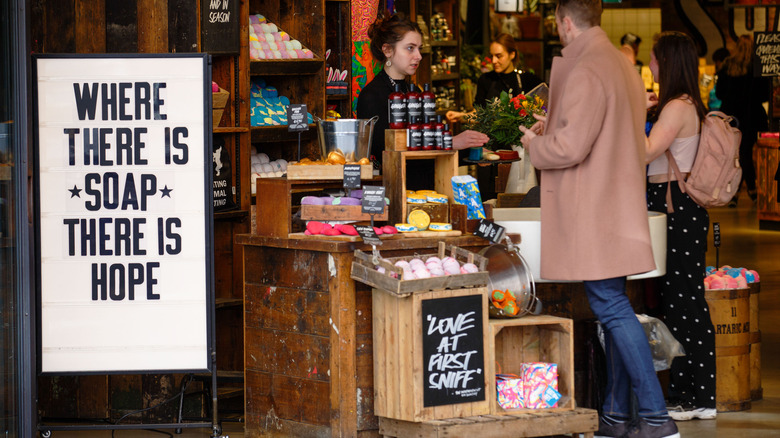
(684,152)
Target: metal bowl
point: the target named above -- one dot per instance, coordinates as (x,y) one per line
(508,270)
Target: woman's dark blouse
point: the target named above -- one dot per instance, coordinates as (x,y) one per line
(491,84)
(372,101)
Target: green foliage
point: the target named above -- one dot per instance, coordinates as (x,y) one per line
(501,119)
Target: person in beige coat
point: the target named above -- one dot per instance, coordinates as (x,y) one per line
(594,214)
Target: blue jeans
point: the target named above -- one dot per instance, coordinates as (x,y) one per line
(629,361)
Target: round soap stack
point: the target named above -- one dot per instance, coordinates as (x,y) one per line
(729,278)
(263,167)
(267,41)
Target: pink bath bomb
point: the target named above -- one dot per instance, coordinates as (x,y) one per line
(437,272)
(452,269)
(409,275)
(755,276)
(741,282)
(422,273)
(403,264)
(469,268)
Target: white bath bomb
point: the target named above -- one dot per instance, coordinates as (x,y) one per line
(409,275)
(263,158)
(416,262)
(381,269)
(469,268)
(433,259)
(452,269)
(437,272)
(422,273)
(403,264)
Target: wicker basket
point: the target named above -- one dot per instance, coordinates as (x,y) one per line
(219,102)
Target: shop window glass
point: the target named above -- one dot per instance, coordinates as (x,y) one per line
(9,375)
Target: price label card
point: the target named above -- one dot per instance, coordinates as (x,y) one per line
(489,230)
(368,234)
(716,234)
(297,118)
(352,176)
(373,200)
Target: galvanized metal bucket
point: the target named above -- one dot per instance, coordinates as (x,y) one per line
(350,136)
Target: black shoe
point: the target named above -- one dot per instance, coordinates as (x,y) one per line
(606,431)
(733,202)
(753,194)
(643,429)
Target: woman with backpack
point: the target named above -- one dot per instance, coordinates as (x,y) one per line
(680,110)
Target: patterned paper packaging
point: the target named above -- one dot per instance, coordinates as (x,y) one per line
(466,192)
(510,393)
(537,378)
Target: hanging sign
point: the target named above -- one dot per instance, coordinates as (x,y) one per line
(220,26)
(373,201)
(453,350)
(352,176)
(489,230)
(123,212)
(766,61)
(509,5)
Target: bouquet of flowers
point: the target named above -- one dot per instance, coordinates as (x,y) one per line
(500,119)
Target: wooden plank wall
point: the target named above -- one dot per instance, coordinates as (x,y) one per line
(114,26)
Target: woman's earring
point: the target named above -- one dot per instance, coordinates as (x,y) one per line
(389,63)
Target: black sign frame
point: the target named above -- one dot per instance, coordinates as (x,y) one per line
(373,201)
(468,348)
(297,117)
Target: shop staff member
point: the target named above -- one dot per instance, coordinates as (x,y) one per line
(594,216)
(396,42)
(504,77)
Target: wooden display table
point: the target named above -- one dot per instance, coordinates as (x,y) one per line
(540,423)
(767,157)
(309,368)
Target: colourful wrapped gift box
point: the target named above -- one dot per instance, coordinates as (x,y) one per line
(466,192)
(538,380)
(510,391)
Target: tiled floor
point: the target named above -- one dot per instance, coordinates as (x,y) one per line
(743,244)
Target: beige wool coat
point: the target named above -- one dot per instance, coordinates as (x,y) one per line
(592,159)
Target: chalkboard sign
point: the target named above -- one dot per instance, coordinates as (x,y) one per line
(453,350)
(368,234)
(766,61)
(489,230)
(219,26)
(352,176)
(297,119)
(373,200)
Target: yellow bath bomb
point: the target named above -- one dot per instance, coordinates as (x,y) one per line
(419,219)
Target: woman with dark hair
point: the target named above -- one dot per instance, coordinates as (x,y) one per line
(396,43)
(741,96)
(674,63)
(504,77)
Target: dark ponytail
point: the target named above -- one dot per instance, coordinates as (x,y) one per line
(389,30)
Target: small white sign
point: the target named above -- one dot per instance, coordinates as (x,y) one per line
(509,5)
(123,193)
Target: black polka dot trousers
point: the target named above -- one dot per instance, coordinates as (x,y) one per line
(692,377)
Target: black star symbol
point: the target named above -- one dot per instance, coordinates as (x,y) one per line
(166,191)
(75,191)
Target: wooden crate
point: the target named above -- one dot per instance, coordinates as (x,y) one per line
(578,422)
(219,102)
(363,271)
(399,359)
(533,338)
(325,172)
(445,166)
(338,213)
(767,156)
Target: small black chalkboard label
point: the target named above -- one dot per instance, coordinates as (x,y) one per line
(368,234)
(453,350)
(766,61)
(297,117)
(716,234)
(489,230)
(352,176)
(373,200)
(220,26)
